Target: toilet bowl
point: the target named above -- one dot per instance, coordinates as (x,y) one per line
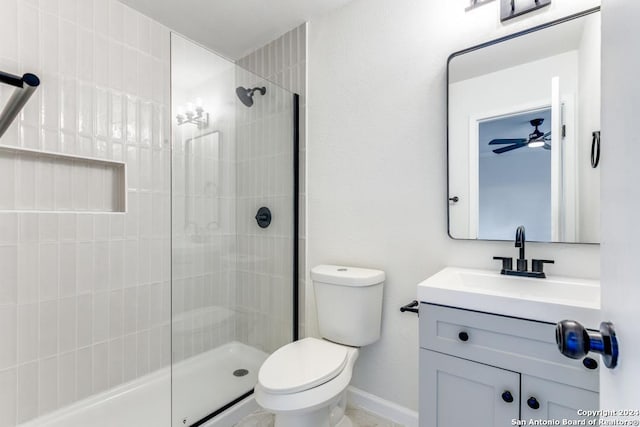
(304,383)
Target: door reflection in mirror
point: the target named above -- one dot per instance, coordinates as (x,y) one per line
(514,177)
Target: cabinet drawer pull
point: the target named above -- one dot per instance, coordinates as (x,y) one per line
(507,396)
(533,403)
(463,336)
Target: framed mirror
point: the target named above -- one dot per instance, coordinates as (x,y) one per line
(523,120)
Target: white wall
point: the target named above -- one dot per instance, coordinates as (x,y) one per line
(620,199)
(377,165)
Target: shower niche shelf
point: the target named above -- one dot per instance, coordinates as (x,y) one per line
(44,181)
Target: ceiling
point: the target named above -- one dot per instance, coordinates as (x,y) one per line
(233,28)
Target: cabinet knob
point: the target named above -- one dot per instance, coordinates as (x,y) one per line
(590,363)
(507,396)
(463,336)
(533,403)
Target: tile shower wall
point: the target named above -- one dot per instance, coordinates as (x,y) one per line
(84,297)
(264,178)
(283,61)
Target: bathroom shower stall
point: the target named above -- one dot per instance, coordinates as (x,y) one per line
(148,194)
(234,222)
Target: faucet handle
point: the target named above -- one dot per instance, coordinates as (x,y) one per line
(537,265)
(507,263)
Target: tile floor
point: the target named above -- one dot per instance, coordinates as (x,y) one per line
(360,418)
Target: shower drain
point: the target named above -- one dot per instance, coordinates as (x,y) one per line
(240,372)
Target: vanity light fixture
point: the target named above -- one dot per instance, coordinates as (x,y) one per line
(510,9)
(473,4)
(193,114)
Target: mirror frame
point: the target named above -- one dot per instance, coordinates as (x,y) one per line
(481,46)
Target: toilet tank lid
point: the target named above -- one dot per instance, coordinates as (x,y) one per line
(347,276)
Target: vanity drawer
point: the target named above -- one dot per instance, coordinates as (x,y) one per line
(516,344)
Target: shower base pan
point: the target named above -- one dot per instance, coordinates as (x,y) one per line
(201,385)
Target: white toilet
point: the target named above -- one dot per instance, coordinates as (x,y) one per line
(304,383)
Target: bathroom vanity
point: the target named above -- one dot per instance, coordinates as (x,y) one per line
(488,355)
(523,115)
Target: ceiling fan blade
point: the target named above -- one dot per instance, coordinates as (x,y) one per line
(509,148)
(547,146)
(502,141)
(546,135)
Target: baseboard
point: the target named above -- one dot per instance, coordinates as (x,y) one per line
(233,415)
(384,408)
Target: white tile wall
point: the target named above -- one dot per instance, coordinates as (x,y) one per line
(84,297)
(283,61)
(236,266)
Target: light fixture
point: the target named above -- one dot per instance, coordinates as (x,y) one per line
(476,3)
(535,144)
(193,114)
(536,138)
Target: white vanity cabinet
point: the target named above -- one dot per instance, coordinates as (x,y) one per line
(488,370)
(458,392)
(557,401)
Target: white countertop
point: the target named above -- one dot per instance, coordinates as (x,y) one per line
(549,300)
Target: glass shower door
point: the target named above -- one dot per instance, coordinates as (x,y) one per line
(233,279)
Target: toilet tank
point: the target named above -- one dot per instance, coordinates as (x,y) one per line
(349,303)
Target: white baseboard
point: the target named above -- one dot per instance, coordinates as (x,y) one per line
(233,415)
(384,408)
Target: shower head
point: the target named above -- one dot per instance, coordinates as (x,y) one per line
(246,95)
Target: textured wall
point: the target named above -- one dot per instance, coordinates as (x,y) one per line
(84,297)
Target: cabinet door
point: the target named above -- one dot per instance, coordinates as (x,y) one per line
(548,400)
(456,392)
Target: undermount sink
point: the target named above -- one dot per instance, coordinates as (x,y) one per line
(548,300)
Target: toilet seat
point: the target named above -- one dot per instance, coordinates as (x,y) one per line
(302,365)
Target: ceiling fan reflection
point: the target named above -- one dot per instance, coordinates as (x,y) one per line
(536,138)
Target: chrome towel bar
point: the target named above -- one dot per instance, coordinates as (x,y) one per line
(25,86)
